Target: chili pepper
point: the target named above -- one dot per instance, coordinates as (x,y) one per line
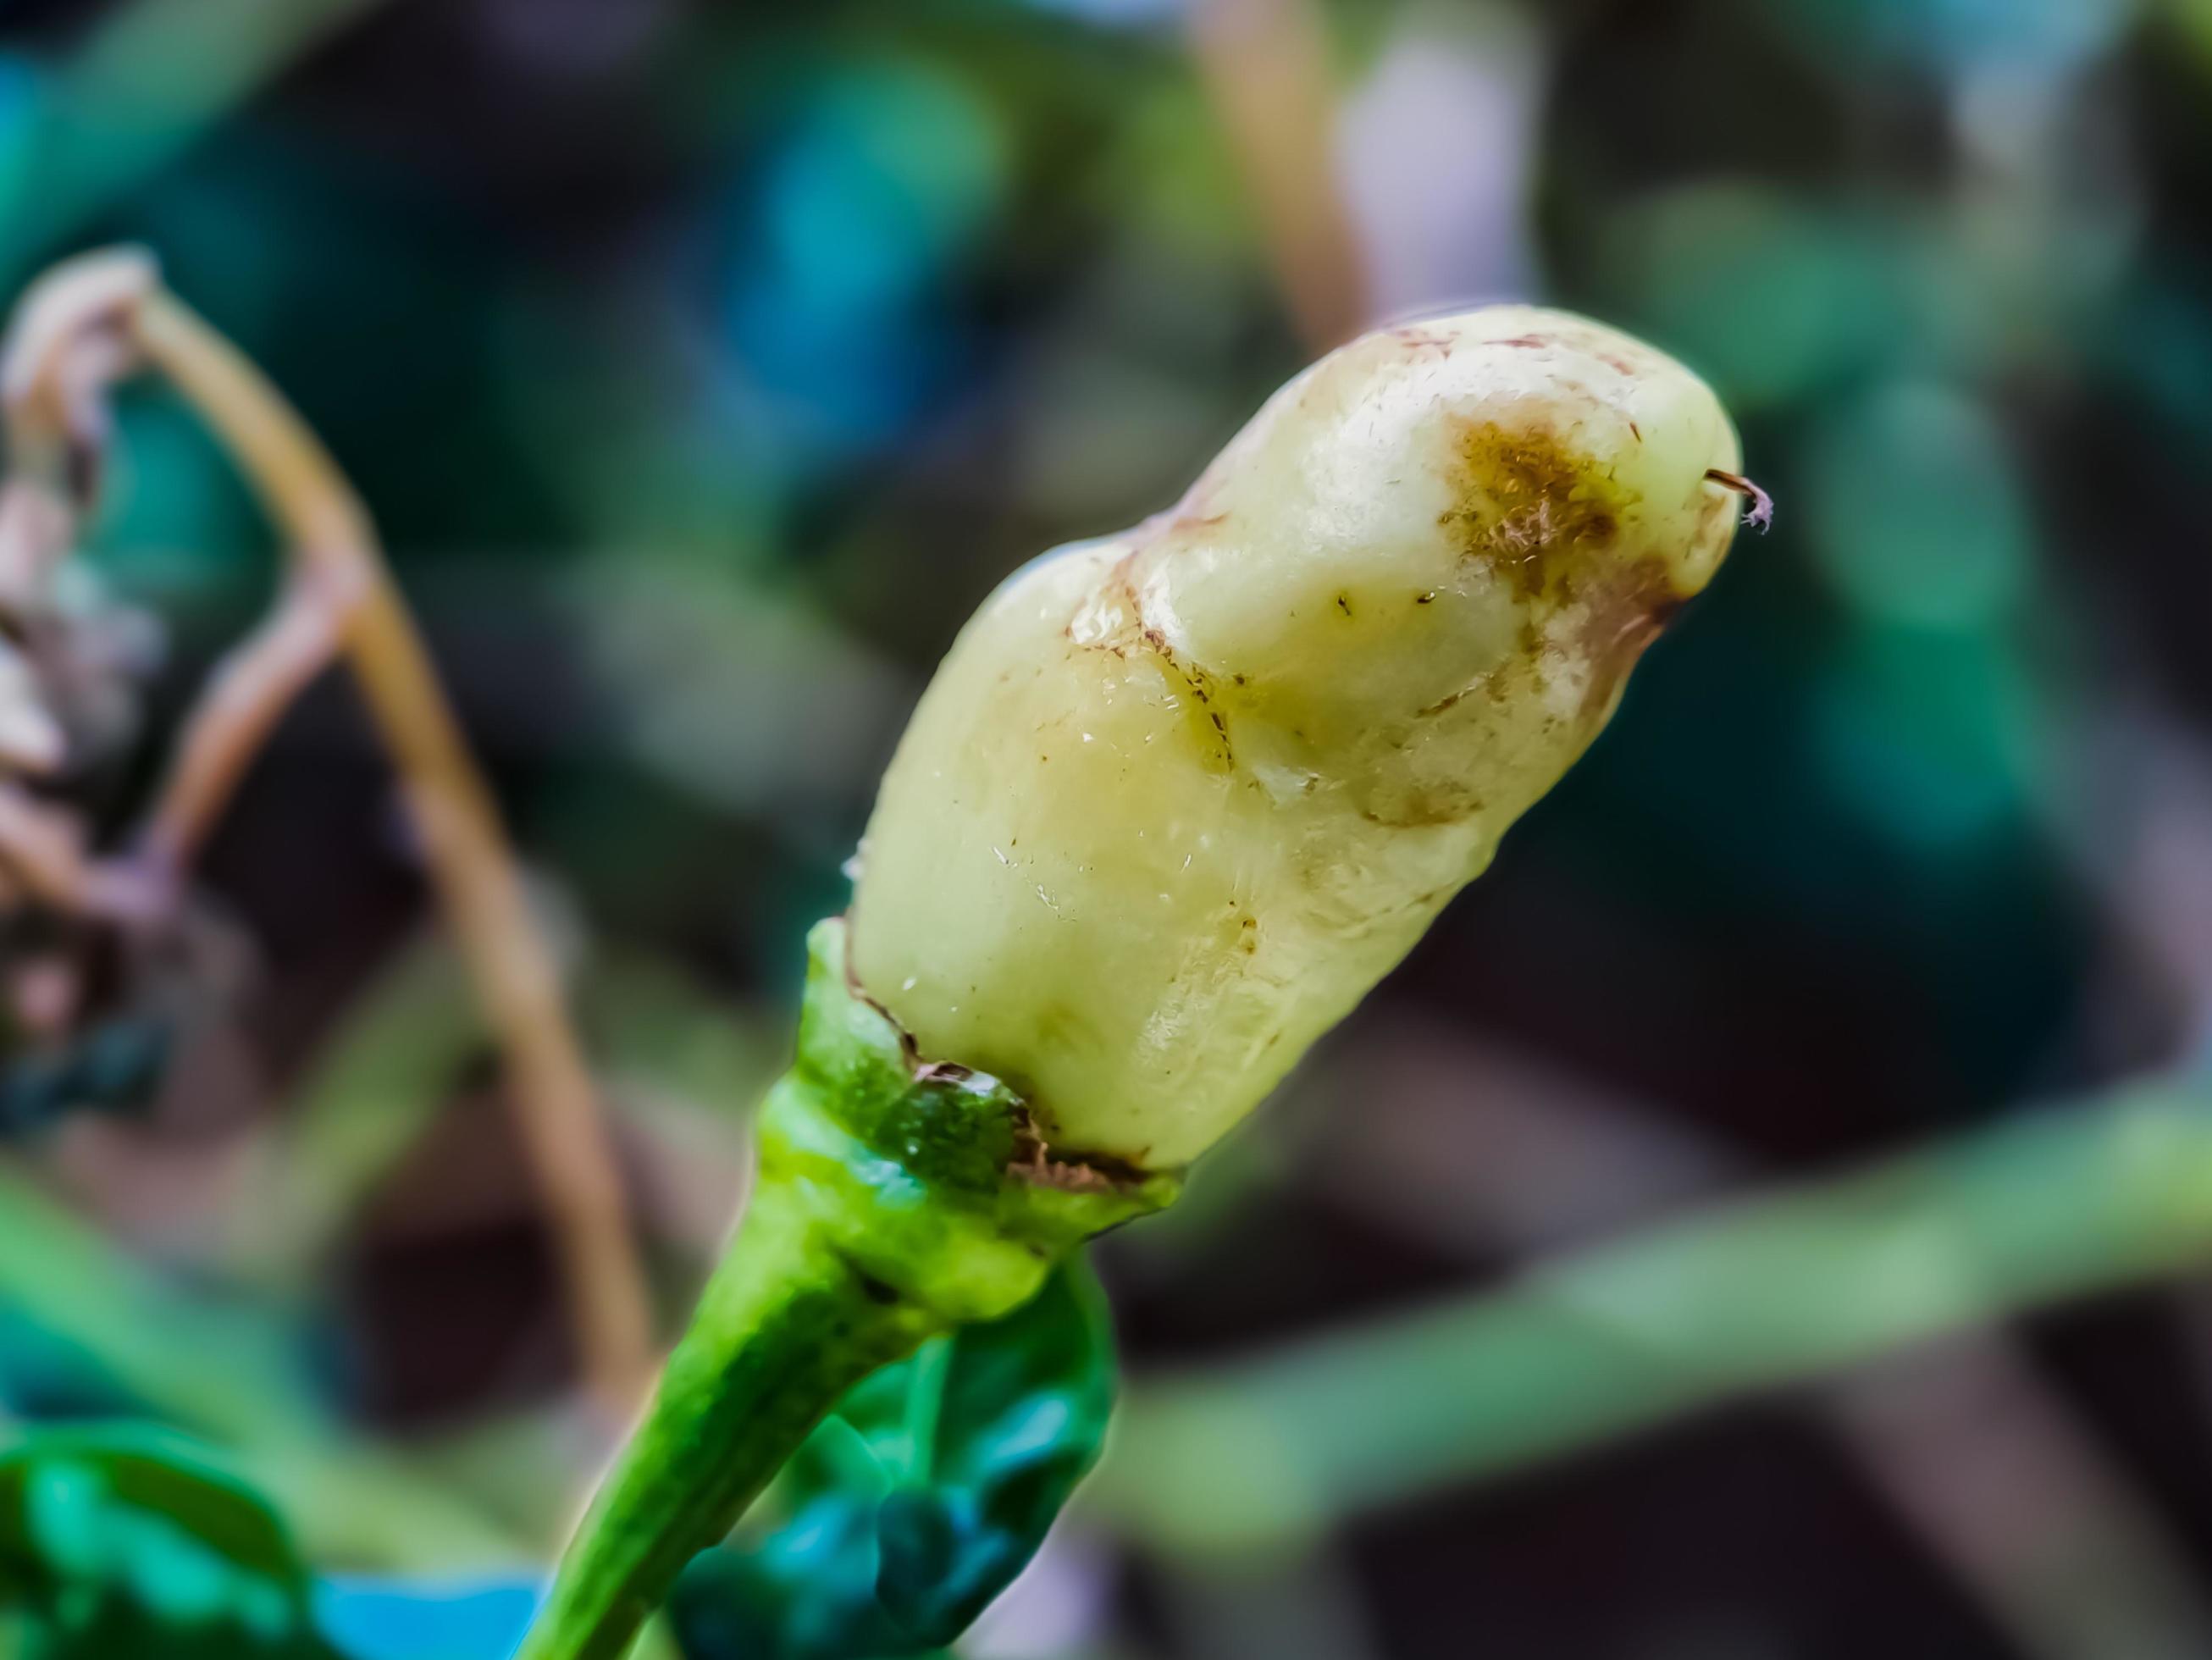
(1175,801)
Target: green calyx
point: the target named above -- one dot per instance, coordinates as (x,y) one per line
(898,1199)
(927,1178)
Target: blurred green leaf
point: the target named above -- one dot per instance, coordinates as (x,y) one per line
(1775,298)
(130,1540)
(1931,737)
(1917,511)
(922,1498)
(153,76)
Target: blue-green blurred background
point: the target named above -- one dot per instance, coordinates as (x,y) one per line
(706,363)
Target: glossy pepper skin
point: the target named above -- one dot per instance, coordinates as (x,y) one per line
(1178,798)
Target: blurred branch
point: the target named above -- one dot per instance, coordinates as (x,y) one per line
(1266,66)
(1620,1338)
(338,594)
(154,76)
(1997,1476)
(335,548)
(248,694)
(1981,1458)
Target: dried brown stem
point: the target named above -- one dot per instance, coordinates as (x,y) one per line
(339,596)
(1760,514)
(249,692)
(68,342)
(333,546)
(42,850)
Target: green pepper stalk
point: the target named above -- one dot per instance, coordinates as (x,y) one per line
(894,1200)
(1174,802)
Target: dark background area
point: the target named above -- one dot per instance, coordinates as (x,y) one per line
(706,364)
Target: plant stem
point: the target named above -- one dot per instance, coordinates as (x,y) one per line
(783,1329)
(1754,1295)
(894,1202)
(335,549)
(1980,1456)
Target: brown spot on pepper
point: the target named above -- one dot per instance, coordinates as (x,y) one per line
(1528,504)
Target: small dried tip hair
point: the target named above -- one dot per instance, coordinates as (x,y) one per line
(1760,515)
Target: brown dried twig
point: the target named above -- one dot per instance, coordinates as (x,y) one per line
(83,326)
